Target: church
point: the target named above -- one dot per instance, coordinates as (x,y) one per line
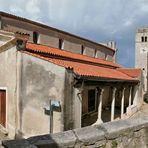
(40,64)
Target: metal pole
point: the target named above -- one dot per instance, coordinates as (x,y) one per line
(51,118)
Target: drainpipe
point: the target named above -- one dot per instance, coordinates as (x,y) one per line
(51,118)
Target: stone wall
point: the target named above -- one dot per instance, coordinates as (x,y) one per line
(131,133)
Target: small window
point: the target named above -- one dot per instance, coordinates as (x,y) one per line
(95,53)
(82,49)
(142,39)
(106,56)
(91,100)
(61,44)
(145,38)
(35,37)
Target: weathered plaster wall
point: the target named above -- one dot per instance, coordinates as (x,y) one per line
(131,133)
(40,82)
(8,80)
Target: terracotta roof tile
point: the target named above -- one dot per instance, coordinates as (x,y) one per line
(132,72)
(58,52)
(88,70)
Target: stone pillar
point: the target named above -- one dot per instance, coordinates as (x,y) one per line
(100,97)
(122,103)
(129,111)
(100,106)
(135,99)
(130,97)
(113,104)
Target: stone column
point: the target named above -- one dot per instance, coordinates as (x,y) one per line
(113,104)
(100,106)
(122,103)
(130,97)
(136,101)
(100,97)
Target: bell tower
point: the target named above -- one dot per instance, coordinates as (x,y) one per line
(141,52)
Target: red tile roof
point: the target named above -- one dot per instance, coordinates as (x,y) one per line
(87,70)
(61,53)
(132,72)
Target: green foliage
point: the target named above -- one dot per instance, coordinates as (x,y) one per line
(114,144)
(103,146)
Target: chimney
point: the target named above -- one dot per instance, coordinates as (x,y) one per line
(21,40)
(112,44)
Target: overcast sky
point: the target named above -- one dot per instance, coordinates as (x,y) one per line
(97,20)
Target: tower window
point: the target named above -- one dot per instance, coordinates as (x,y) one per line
(145,38)
(61,44)
(142,39)
(35,37)
(82,49)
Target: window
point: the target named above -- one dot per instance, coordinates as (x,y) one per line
(145,38)
(82,49)
(142,39)
(91,100)
(61,44)
(106,56)
(35,37)
(95,53)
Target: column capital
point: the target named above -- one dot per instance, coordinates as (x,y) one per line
(101,89)
(123,88)
(114,89)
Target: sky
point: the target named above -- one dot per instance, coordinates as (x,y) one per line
(96,20)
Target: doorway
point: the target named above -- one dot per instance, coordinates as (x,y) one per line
(3,107)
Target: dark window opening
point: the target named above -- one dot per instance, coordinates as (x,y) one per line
(82,49)
(145,38)
(142,39)
(95,53)
(91,100)
(61,44)
(35,37)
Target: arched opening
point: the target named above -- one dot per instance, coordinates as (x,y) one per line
(145,38)
(35,37)
(82,49)
(142,39)
(61,44)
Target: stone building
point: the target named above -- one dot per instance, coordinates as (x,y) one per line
(82,75)
(43,34)
(141,52)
